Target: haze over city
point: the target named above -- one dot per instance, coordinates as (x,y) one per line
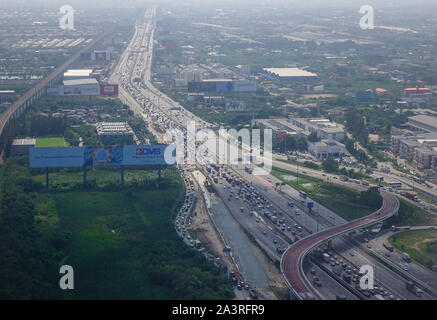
(218,150)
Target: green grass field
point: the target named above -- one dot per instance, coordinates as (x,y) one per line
(64,179)
(342,201)
(122,244)
(51,142)
(421,245)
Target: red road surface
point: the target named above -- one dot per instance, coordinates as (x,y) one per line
(291,262)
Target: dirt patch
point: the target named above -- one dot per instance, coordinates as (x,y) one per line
(417,244)
(201,224)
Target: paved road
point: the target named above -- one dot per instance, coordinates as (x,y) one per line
(250,266)
(291,263)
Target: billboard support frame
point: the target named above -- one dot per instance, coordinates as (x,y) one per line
(84,175)
(82,157)
(47,178)
(122,175)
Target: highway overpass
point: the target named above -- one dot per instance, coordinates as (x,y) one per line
(292,259)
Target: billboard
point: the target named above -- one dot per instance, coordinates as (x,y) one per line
(245,86)
(201,86)
(102,156)
(109,89)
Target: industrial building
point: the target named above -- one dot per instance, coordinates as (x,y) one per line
(73,74)
(114,133)
(101,55)
(326,148)
(423,123)
(6,94)
(81,87)
(278,126)
(288,74)
(222,86)
(325,129)
(21,147)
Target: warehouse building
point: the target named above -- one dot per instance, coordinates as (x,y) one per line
(423,123)
(21,147)
(73,74)
(325,129)
(6,94)
(288,74)
(81,87)
(222,86)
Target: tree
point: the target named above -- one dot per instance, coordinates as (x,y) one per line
(330,165)
(313,137)
(371,198)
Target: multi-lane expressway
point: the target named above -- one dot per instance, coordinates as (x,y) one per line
(160,110)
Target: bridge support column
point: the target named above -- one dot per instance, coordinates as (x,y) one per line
(47,178)
(84,175)
(122,175)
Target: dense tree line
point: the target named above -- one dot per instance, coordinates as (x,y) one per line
(28,264)
(38,125)
(371,197)
(356,126)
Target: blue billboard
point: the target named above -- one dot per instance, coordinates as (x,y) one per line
(102,156)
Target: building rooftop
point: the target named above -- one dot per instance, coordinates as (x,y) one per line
(23,142)
(290,72)
(425,119)
(78,73)
(218,80)
(75,82)
(113,128)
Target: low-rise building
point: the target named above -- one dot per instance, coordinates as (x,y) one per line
(6,94)
(114,132)
(326,148)
(423,123)
(21,146)
(417,92)
(288,74)
(325,129)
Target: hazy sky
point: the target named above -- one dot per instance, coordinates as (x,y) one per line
(219,3)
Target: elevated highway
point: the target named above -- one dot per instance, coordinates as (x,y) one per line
(292,259)
(19,106)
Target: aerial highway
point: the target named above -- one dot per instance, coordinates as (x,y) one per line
(163,115)
(291,262)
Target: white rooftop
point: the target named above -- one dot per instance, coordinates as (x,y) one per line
(290,72)
(78,73)
(75,82)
